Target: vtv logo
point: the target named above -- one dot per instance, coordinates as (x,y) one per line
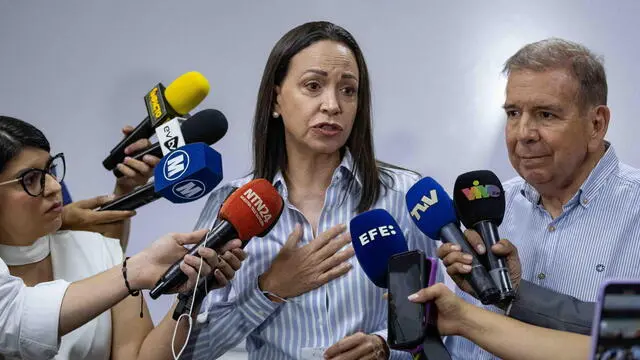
(382,231)
(424,204)
(257,206)
(189,189)
(478,191)
(176,165)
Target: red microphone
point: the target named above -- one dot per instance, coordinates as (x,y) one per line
(252,210)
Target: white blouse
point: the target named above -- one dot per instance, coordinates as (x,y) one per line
(77,255)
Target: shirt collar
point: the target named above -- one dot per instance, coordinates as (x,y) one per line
(344,172)
(607,165)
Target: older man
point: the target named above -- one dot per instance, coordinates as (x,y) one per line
(572,213)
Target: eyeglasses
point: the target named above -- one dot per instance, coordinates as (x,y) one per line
(33,180)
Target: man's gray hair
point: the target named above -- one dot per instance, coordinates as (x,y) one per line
(550,54)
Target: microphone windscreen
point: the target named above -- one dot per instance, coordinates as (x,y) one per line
(430,207)
(479,196)
(376,236)
(188,173)
(252,209)
(207,126)
(186,92)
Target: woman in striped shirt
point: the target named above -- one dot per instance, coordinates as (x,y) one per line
(300,290)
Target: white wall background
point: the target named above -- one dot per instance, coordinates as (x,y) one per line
(79,69)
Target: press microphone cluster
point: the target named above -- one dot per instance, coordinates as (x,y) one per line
(433,212)
(250,211)
(163,104)
(206,126)
(183,175)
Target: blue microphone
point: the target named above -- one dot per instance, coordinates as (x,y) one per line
(183,175)
(376,237)
(433,212)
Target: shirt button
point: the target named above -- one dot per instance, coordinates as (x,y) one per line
(552,228)
(585,201)
(541,276)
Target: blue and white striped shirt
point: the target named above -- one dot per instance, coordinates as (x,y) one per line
(596,237)
(319,318)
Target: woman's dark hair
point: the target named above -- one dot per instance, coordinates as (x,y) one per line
(269,152)
(15,135)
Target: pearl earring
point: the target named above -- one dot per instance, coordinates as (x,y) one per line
(275,115)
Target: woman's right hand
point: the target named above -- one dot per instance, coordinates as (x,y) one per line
(297,270)
(452,310)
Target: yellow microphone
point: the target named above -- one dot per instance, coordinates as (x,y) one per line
(163,104)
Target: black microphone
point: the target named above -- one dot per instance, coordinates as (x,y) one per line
(137,198)
(163,104)
(480,203)
(206,126)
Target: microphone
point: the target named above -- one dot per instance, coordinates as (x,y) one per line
(250,211)
(194,297)
(206,126)
(183,175)
(180,97)
(480,203)
(376,237)
(433,212)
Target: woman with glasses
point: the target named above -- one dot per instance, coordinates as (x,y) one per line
(36,252)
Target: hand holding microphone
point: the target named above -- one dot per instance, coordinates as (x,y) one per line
(180,97)
(480,204)
(145,267)
(459,264)
(433,212)
(81,216)
(206,126)
(135,171)
(252,210)
(184,175)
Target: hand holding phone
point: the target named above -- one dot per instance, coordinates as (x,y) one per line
(412,327)
(616,326)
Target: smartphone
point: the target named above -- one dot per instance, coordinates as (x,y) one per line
(409,272)
(616,325)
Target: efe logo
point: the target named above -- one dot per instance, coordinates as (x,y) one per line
(176,165)
(380,231)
